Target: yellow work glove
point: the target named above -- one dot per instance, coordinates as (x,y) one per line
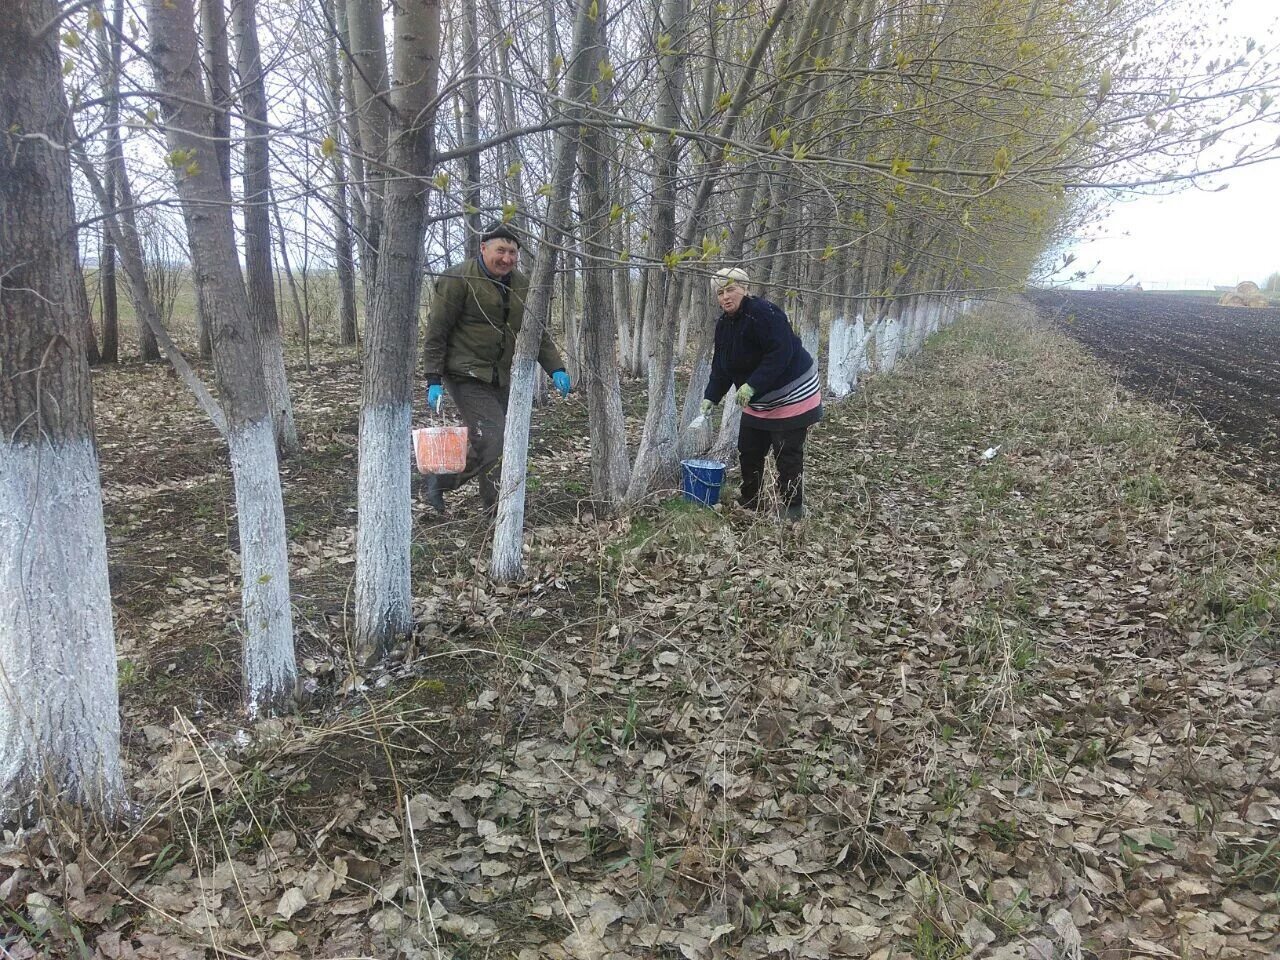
(745,393)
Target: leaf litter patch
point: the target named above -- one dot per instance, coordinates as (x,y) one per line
(1018,706)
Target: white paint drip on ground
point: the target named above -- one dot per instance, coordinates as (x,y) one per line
(270,670)
(59,708)
(384,597)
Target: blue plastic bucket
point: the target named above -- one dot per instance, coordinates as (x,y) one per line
(701,480)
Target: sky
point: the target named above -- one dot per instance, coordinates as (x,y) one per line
(1197,238)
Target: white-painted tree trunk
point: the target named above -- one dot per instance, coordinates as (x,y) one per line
(887,343)
(838,379)
(270,673)
(811,327)
(59,720)
(384,596)
(848,347)
(507,560)
(860,363)
(726,446)
(610,464)
(913,325)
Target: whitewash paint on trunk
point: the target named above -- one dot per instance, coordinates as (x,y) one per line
(59,723)
(858,362)
(887,344)
(913,321)
(848,347)
(384,598)
(904,330)
(507,562)
(726,446)
(868,333)
(269,669)
(838,384)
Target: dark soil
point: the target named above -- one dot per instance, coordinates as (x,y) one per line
(1222,363)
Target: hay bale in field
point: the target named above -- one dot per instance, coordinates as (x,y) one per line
(1246,294)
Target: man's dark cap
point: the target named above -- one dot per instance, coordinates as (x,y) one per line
(500,231)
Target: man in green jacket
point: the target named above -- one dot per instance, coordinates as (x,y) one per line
(471,335)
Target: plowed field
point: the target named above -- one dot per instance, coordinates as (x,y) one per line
(1221,363)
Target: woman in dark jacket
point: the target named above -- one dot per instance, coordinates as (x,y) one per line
(757,351)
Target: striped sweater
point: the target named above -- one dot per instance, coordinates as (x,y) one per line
(757,346)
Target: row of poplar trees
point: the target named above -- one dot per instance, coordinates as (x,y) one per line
(870,162)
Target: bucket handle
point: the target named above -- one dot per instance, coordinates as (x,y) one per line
(443,419)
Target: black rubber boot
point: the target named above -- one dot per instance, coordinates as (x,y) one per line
(434,495)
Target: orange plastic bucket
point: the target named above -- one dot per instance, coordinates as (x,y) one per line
(440,449)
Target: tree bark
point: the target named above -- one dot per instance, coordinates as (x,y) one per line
(112,49)
(371,105)
(610,464)
(383,589)
(658,452)
(343,251)
(259,282)
(507,562)
(471,124)
(216,58)
(270,671)
(59,707)
(359,193)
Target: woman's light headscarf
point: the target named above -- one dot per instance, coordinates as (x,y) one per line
(727,277)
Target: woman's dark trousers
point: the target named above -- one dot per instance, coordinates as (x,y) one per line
(754,445)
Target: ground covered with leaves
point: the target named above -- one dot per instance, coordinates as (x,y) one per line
(1010,691)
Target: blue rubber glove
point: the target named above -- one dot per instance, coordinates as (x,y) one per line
(561,380)
(745,393)
(435,397)
(707,406)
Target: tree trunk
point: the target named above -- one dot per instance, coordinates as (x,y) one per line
(471,124)
(342,248)
(384,533)
(359,195)
(270,672)
(59,707)
(610,464)
(847,345)
(111,124)
(513,189)
(216,57)
(569,309)
(658,452)
(110,352)
(507,562)
(813,297)
(259,282)
(368,53)
(622,298)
